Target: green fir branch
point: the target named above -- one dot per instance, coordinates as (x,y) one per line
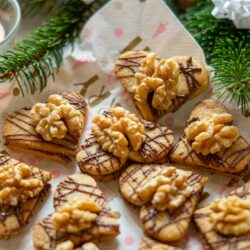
(231,63)
(32,60)
(205,28)
(227,50)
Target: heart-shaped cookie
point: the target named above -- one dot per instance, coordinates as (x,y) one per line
(216,240)
(19,133)
(158,86)
(14,217)
(167,219)
(74,188)
(233,159)
(103,165)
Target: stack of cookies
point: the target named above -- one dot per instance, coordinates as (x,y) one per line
(138,151)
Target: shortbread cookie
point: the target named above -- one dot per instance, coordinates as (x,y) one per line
(93,160)
(224,224)
(168,195)
(159,86)
(81,195)
(22,190)
(21,128)
(131,179)
(158,143)
(209,140)
(114,139)
(147,243)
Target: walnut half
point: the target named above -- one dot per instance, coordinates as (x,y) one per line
(161,78)
(76,215)
(167,190)
(211,134)
(68,245)
(231,215)
(55,118)
(17,184)
(117,131)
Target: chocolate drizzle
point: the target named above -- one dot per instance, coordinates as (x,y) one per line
(95,161)
(71,187)
(76,100)
(132,63)
(131,178)
(189,72)
(159,141)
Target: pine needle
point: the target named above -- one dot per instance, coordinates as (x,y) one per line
(231,62)
(227,49)
(32,60)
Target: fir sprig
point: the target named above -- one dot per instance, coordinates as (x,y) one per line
(231,61)
(205,28)
(32,60)
(227,50)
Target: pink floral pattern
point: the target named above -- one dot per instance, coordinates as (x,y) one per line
(160,29)
(129,240)
(119,32)
(3,94)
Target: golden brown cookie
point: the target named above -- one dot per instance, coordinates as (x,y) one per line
(191,79)
(234,159)
(20,134)
(131,179)
(216,240)
(14,217)
(159,141)
(103,165)
(105,226)
(147,243)
(164,224)
(94,161)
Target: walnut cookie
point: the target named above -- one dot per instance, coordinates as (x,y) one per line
(224,224)
(211,141)
(167,197)
(117,136)
(159,86)
(82,214)
(52,129)
(22,190)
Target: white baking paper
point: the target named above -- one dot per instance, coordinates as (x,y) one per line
(89,70)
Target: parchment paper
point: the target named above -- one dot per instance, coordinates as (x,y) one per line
(120,25)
